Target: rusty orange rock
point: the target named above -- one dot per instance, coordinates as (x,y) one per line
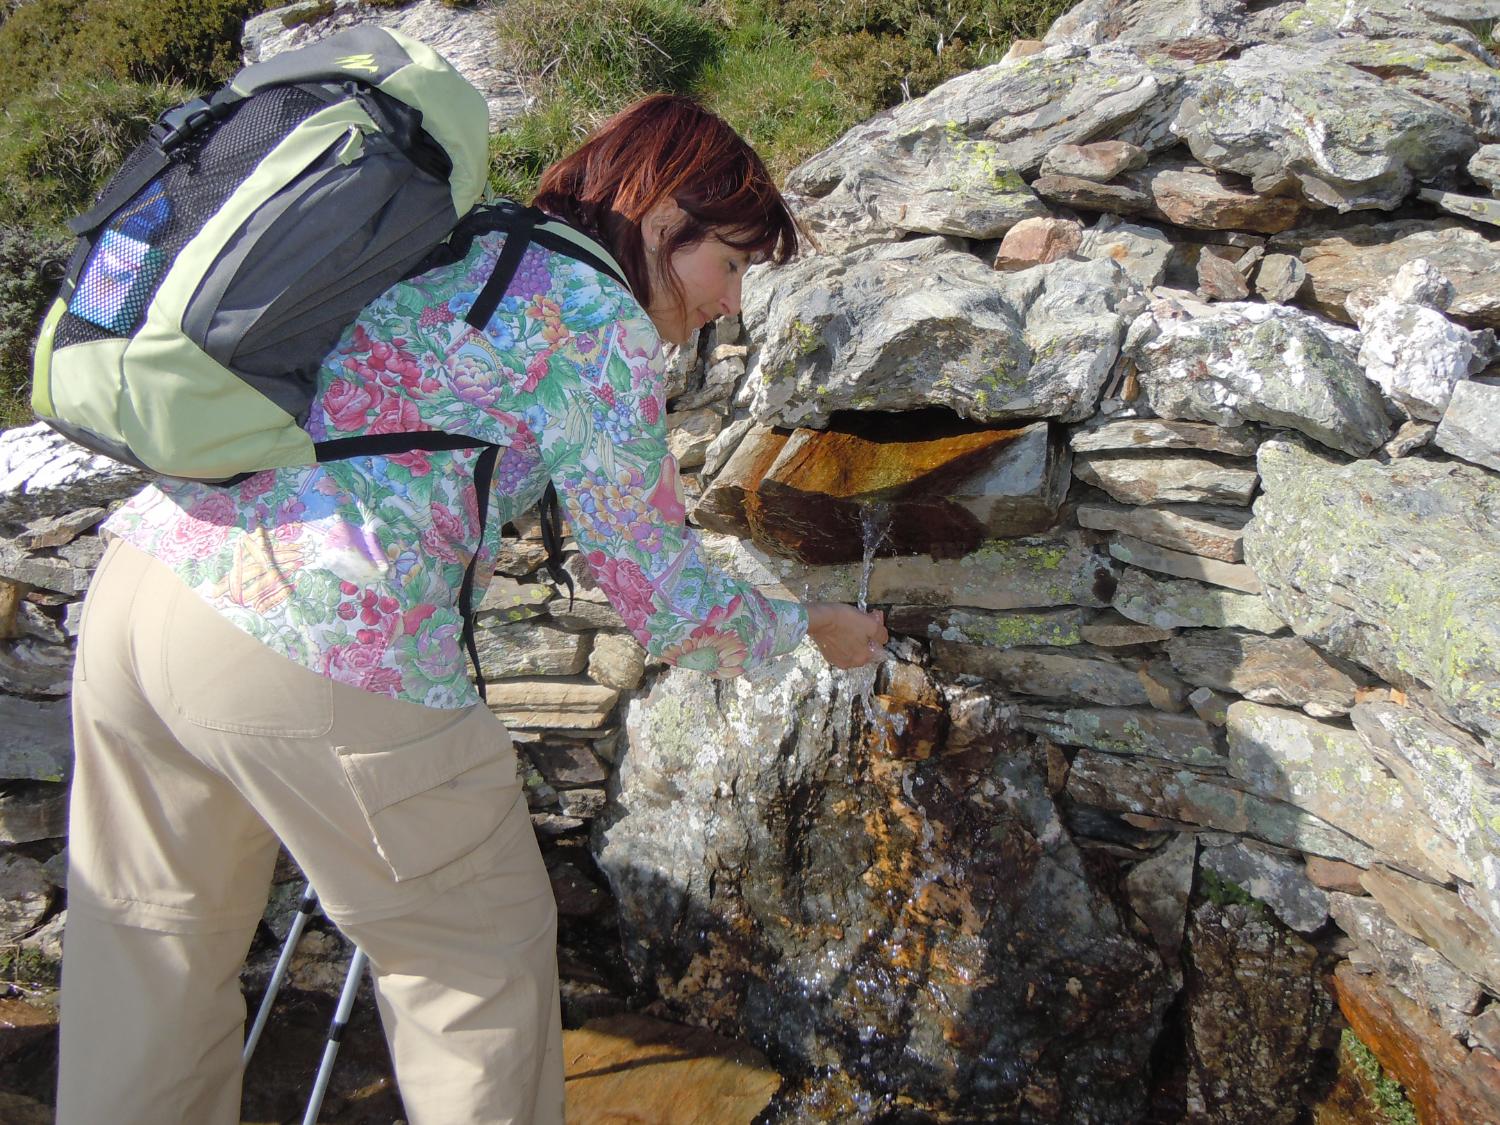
(1448,1084)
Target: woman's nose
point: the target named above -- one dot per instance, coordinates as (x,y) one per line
(731,301)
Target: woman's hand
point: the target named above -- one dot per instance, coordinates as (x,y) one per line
(847,637)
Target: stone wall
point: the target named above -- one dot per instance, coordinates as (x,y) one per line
(1145,380)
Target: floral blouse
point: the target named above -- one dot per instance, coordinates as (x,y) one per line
(353,568)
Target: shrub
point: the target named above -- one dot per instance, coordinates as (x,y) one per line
(610,51)
(26,288)
(592,58)
(60,143)
(195,42)
(776,97)
(880,52)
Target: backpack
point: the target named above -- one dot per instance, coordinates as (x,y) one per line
(225,258)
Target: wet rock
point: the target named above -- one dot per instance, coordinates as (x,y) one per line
(1484,166)
(38,743)
(25,895)
(1166,480)
(582,803)
(1176,793)
(1471,424)
(577,895)
(1409,965)
(568,704)
(1257,1011)
(724,504)
(1438,917)
(1078,674)
(915,324)
(1277,880)
(1327,771)
(1034,242)
(852,911)
(1444,1081)
(1279,278)
(831,495)
(1375,563)
(1098,160)
(1136,552)
(1128,731)
(1159,888)
(1141,251)
(1136,434)
(1444,771)
(1236,362)
(1198,529)
(994,630)
(1180,603)
(632,1067)
(617,660)
(530,649)
(1347,139)
(463,36)
(951,162)
(566,764)
(1364,256)
(1282,671)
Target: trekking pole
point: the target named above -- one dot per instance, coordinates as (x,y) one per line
(305,908)
(335,1033)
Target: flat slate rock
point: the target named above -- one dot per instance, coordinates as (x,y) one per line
(634,1068)
(1212,531)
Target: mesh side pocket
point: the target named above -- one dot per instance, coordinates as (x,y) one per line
(125,266)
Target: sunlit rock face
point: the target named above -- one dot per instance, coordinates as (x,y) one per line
(880,894)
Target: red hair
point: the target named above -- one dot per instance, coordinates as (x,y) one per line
(668,147)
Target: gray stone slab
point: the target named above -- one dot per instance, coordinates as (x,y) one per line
(1180,564)
(1471,425)
(1327,771)
(1180,603)
(1166,479)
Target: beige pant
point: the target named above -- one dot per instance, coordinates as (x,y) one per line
(197,747)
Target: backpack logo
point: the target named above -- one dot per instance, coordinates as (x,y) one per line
(358,62)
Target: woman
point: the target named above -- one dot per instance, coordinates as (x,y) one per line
(281,659)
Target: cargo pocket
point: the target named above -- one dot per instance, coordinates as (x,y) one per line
(431,800)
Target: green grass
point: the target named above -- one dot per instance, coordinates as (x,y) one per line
(84,78)
(1390,1096)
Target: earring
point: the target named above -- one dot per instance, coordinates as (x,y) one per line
(651,249)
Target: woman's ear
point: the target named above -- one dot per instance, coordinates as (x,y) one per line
(659,222)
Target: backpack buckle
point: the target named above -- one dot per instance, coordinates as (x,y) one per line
(177,125)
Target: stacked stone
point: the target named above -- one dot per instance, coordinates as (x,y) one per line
(1156,365)
(52,496)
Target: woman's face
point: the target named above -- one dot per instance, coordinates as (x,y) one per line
(709,276)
